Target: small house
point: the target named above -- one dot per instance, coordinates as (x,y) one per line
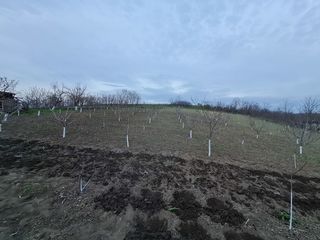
(8,102)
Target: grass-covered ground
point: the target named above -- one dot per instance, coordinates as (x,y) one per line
(235,143)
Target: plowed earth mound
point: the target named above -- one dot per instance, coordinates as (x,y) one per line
(142,196)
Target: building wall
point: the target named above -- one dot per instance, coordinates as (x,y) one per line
(8,105)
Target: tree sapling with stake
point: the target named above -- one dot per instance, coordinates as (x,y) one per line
(303,128)
(190,122)
(214,120)
(63,118)
(257,126)
(83,184)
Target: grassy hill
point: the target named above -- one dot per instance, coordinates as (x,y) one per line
(234,142)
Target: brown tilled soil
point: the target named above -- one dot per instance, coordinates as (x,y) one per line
(141,196)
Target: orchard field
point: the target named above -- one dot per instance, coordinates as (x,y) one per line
(139,173)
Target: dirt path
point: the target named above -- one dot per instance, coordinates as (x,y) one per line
(142,196)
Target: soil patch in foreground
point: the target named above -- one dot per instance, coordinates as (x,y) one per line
(232,235)
(150,229)
(175,198)
(187,208)
(117,199)
(223,212)
(193,231)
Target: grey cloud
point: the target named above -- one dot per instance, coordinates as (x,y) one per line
(162,49)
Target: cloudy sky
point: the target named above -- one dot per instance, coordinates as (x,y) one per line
(260,50)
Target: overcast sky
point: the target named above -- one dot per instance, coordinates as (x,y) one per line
(260,50)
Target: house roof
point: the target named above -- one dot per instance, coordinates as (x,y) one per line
(6,95)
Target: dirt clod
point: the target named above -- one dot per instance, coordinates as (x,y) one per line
(187,206)
(232,235)
(222,212)
(114,200)
(193,231)
(151,229)
(149,201)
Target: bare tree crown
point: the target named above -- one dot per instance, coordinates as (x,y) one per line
(7,85)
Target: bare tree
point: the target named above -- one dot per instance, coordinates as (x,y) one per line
(151,113)
(304,126)
(7,85)
(133,97)
(178,112)
(56,96)
(36,97)
(257,126)
(121,99)
(63,118)
(191,123)
(91,100)
(126,116)
(77,95)
(213,120)
(181,116)
(294,170)
(107,101)
(126,97)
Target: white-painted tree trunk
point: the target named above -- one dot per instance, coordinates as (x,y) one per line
(297,141)
(209,148)
(226,124)
(39,113)
(64,132)
(127,138)
(59,110)
(257,136)
(180,120)
(5,118)
(150,120)
(295,160)
(183,125)
(119,119)
(0,127)
(76,108)
(18,113)
(242,142)
(81,110)
(300,150)
(190,134)
(291,204)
